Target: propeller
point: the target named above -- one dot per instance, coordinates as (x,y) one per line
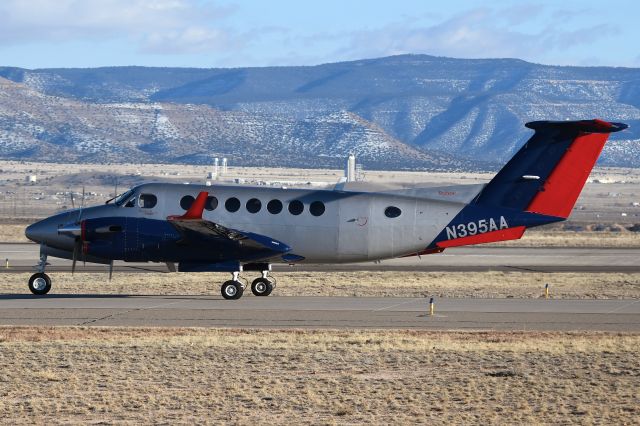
(110,269)
(74,257)
(77,246)
(81,206)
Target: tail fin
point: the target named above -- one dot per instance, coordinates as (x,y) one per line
(548,173)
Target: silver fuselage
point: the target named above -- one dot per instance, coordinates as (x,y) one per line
(353,227)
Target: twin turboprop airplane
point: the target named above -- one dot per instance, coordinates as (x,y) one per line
(236,228)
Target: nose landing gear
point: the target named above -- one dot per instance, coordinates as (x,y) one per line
(40,283)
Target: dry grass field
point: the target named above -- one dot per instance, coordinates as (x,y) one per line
(360,284)
(211,376)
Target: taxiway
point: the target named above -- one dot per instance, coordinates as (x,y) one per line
(321,312)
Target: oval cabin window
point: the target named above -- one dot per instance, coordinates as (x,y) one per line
(254,205)
(296,207)
(392,212)
(186,201)
(316,208)
(274,206)
(211,203)
(232,204)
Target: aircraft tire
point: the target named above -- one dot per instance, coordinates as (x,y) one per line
(39,284)
(261,287)
(231,290)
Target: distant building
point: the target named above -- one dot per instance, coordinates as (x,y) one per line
(350,172)
(31,179)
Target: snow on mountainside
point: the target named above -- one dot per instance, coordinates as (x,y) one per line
(50,128)
(401,111)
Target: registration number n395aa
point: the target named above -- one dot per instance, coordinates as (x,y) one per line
(481,226)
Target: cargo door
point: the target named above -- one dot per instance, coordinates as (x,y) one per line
(354,227)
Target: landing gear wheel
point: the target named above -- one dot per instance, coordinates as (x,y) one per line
(232,290)
(40,283)
(261,287)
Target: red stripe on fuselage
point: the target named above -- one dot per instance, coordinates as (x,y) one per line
(488,237)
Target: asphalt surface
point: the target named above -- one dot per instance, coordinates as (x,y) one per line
(321,312)
(23,256)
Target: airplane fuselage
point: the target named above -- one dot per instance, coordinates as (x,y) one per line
(320,226)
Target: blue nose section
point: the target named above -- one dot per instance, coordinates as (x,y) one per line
(36,232)
(46,232)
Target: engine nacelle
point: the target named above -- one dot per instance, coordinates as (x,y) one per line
(127,238)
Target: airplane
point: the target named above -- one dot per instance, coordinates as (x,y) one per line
(229,228)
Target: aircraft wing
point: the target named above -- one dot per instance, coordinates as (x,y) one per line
(195,230)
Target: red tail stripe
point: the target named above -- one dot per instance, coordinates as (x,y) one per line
(563,186)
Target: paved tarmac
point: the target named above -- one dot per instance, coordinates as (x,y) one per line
(23,257)
(321,312)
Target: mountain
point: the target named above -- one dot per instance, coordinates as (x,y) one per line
(34,126)
(397,112)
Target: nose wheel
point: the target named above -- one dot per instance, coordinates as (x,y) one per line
(39,283)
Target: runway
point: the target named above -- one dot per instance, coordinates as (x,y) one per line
(23,256)
(321,312)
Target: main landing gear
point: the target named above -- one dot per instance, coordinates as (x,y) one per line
(40,283)
(262,286)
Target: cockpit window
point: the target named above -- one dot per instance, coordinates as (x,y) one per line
(147,201)
(122,198)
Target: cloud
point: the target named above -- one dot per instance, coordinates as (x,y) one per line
(475,33)
(156,26)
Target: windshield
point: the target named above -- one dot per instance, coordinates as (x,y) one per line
(122,198)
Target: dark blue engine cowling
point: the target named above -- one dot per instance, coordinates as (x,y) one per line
(129,238)
(148,240)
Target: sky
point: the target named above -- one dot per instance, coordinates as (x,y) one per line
(227,33)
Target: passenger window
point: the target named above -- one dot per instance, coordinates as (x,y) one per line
(232,204)
(274,206)
(392,212)
(316,208)
(254,205)
(296,207)
(147,201)
(211,204)
(186,201)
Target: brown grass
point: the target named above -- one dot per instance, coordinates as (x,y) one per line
(86,375)
(12,233)
(385,284)
(590,239)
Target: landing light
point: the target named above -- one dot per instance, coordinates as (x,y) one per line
(530,177)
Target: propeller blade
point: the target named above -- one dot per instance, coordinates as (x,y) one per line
(81,205)
(75,257)
(110,269)
(73,204)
